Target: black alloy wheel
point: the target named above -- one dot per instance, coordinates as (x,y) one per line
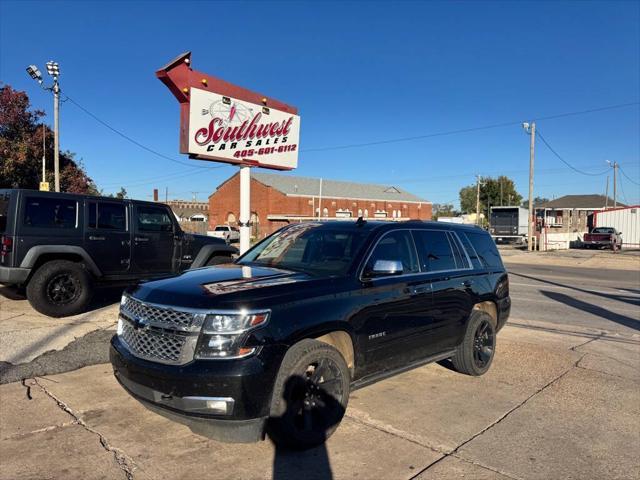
(63,289)
(483,344)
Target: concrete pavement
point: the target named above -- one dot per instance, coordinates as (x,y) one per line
(554,405)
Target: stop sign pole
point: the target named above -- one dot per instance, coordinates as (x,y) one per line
(223,122)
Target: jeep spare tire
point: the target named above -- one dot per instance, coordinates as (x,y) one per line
(60,288)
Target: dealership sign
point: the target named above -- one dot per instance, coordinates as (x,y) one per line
(223,122)
(232,130)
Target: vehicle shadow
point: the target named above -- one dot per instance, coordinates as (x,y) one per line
(294,462)
(633,323)
(611,296)
(12,293)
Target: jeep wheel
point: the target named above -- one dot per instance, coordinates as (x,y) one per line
(60,288)
(218,260)
(475,354)
(310,395)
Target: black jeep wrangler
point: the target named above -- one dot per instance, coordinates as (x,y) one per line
(274,342)
(61,245)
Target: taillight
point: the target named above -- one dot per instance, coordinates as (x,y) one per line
(6,245)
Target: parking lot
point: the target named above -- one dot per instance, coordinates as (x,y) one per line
(561,399)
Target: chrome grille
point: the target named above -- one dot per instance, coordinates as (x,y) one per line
(152,345)
(166,317)
(159,333)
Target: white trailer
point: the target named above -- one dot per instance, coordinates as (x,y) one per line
(509,224)
(625,220)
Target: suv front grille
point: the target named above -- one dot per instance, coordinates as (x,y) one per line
(158,333)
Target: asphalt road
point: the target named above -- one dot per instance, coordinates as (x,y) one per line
(601,299)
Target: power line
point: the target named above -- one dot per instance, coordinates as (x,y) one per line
(466,130)
(627,177)
(126,137)
(622,190)
(564,161)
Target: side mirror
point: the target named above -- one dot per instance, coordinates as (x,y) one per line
(386,267)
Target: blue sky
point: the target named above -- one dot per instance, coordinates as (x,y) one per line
(359,72)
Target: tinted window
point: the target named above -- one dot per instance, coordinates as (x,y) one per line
(221,229)
(50,212)
(603,230)
(107,216)
(435,250)
(396,246)
(475,261)
(308,247)
(485,248)
(153,219)
(458,252)
(4,210)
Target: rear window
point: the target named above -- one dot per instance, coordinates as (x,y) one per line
(485,248)
(222,229)
(4,211)
(42,212)
(603,230)
(435,250)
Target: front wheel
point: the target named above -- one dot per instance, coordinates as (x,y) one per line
(310,395)
(475,354)
(60,288)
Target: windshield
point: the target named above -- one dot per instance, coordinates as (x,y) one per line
(308,247)
(602,230)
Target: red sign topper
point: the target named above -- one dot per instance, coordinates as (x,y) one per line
(223,122)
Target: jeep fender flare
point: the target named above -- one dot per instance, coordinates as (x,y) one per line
(208,251)
(34,253)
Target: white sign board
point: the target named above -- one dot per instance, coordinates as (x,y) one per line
(229,130)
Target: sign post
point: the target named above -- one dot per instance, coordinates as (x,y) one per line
(222,122)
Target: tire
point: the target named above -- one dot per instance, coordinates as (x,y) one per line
(218,260)
(60,288)
(306,408)
(475,354)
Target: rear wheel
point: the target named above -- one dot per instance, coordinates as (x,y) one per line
(310,395)
(60,288)
(475,354)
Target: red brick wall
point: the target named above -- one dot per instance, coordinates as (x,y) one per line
(268,201)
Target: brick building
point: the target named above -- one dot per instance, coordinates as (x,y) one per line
(277,200)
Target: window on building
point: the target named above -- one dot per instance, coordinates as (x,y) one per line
(366,213)
(325,212)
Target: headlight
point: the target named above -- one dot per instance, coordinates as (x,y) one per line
(223,334)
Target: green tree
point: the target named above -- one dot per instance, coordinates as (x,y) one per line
(21,137)
(536,201)
(443,210)
(493,192)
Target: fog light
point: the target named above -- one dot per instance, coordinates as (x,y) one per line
(120,327)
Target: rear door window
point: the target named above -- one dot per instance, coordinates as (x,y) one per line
(485,249)
(435,250)
(458,252)
(154,219)
(43,212)
(107,216)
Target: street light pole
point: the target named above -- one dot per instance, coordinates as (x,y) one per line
(44,154)
(56,132)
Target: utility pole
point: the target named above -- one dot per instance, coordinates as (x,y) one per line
(614,165)
(478,200)
(606,194)
(531,130)
(44,155)
(166,194)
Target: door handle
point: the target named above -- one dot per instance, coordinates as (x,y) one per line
(93,237)
(467,283)
(421,289)
(141,239)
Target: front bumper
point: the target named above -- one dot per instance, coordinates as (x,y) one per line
(13,276)
(198,389)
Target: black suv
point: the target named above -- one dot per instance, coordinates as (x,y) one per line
(274,342)
(60,245)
